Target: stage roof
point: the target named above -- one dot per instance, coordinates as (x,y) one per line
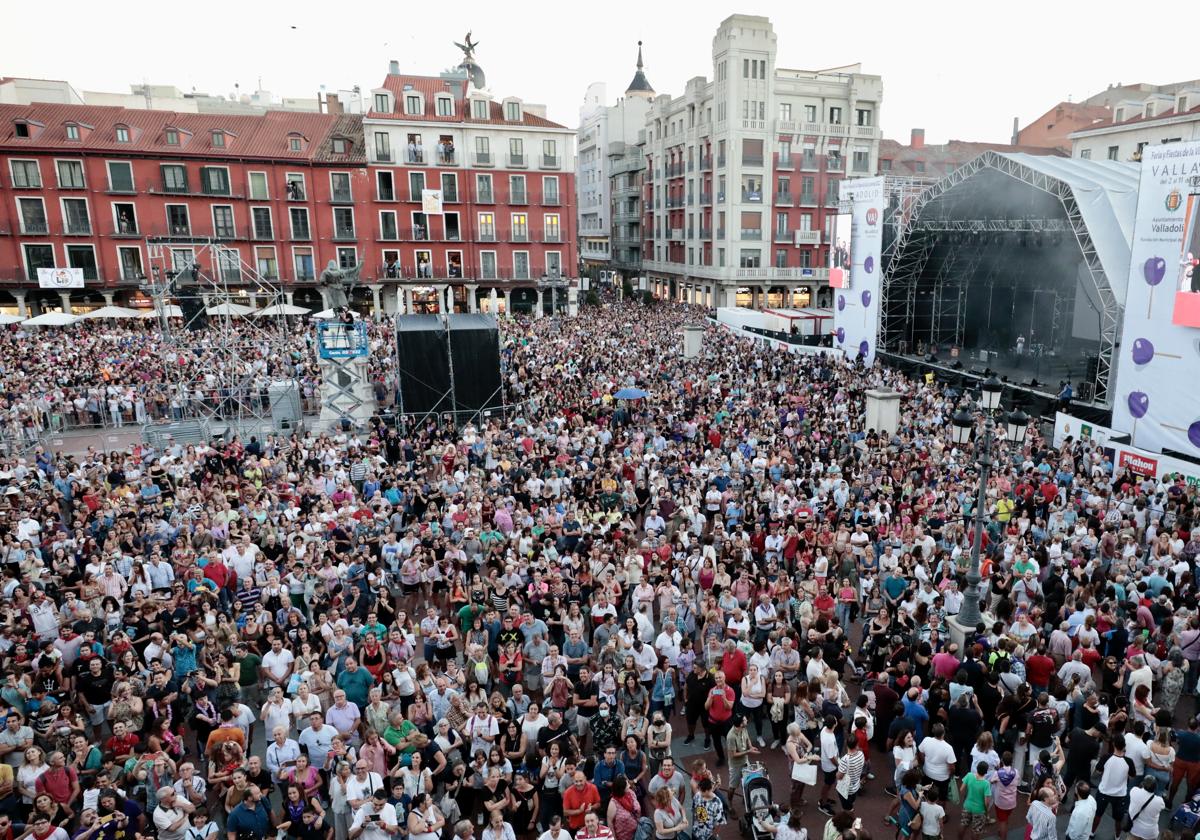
(1106,192)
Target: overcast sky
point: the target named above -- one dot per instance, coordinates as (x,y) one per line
(960,70)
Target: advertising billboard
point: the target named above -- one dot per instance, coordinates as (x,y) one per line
(856,305)
(839,251)
(60,278)
(1160,333)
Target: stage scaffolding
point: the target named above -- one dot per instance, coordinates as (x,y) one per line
(907,255)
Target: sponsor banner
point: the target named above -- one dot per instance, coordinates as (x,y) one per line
(431,202)
(60,278)
(856,302)
(1155,397)
(1067,425)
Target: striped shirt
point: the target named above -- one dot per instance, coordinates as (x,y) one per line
(850,768)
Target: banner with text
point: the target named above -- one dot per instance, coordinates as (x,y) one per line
(1124,456)
(1156,398)
(60,278)
(856,307)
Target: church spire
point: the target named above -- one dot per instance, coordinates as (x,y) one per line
(640,86)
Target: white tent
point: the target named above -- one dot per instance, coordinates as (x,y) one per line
(113,312)
(283,309)
(6,319)
(236,310)
(325,315)
(52,319)
(173,311)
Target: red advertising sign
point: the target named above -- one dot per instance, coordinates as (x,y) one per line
(1139,464)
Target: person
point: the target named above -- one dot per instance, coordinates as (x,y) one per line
(250,819)
(670,820)
(939,760)
(718,708)
(830,757)
(1083,811)
(497,828)
(708,812)
(623,810)
(740,748)
(579,800)
(668,777)
(1043,822)
(172,814)
(933,815)
(976,796)
(593,829)
(1113,787)
(375,819)
(850,774)
(1145,808)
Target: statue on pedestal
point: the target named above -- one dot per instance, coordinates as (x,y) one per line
(474,71)
(338,283)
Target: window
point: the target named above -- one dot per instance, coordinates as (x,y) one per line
(750,258)
(387,225)
(416,185)
(22,129)
(781,224)
(223,221)
(295,186)
(445,106)
(1085,154)
(806,221)
(294,144)
(810,113)
(487,227)
(453,231)
(550,193)
(120,176)
(181,258)
(412,104)
(919,166)
(483,188)
(33,216)
(862,116)
(1113,151)
(785,111)
(131,263)
(264,261)
(258,186)
(554,264)
(520,227)
(520,265)
(483,151)
(516,189)
(299,219)
(75,216)
(347,257)
(385,185)
(745,68)
(343,223)
(178,223)
(449,187)
(174,178)
(781,257)
(553,233)
(835,115)
(218,139)
(83,256)
(214,180)
(25,174)
(172,137)
(512,111)
(752,152)
(479,109)
(383,146)
(125,217)
(339,186)
(416,152)
(122,134)
(549,153)
(38,256)
(862,161)
(261,216)
(229,262)
(806,258)
(70,175)
(302,259)
(487,265)
(885,165)
(381,103)
(516,151)
(72,132)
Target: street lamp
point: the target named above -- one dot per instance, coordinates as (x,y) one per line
(963,425)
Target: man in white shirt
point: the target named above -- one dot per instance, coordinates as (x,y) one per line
(939,760)
(482,729)
(1145,807)
(277,664)
(375,820)
(829,764)
(1114,782)
(1083,811)
(171,815)
(1136,749)
(668,643)
(317,739)
(362,784)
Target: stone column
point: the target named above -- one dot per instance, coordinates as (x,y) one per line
(324,300)
(492,301)
(472,301)
(408,300)
(65,297)
(22,308)
(538,312)
(108,298)
(508,303)
(289,298)
(766,297)
(376,303)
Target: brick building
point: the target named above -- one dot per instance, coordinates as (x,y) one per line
(472,199)
(936,160)
(87,187)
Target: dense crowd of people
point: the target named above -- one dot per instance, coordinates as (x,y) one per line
(523,627)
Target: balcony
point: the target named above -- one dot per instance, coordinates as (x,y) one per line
(752,233)
(341,197)
(520,235)
(416,156)
(485,197)
(807,237)
(551,236)
(835,163)
(831,198)
(784,198)
(77,228)
(450,196)
(179,230)
(721,162)
(862,167)
(786,162)
(383,155)
(483,158)
(808,199)
(125,229)
(706,233)
(752,160)
(783,235)
(676,234)
(343,234)
(706,164)
(518,197)
(868,131)
(549,161)
(551,200)
(809,163)
(720,233)
(388,233)
(416,233)
(516,159)
(35,228)
(752,196)
(447,158)
(301,234)
(705,199)
(486,235)
(263,232)
(691,200)
(720,198)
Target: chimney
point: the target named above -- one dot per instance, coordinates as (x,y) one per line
(1016,138)
(333,105)
(918,138)
(393,68)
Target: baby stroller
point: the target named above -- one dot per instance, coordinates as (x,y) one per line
(760,810)
(1187,815)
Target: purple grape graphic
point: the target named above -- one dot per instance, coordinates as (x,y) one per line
(841,302)
(1144,352)
(864,348)
(866,298)
(841,335)
(869,264)
(1193,434)
(1153,270)
(1138,403)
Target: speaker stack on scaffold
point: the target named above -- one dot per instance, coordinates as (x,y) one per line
(448,364)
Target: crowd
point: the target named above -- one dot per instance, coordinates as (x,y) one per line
(539,626)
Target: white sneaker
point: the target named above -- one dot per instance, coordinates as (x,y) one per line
(775,744)
(761,742)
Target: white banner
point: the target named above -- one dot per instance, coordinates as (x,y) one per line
(1156,397)
(1139,461)
(1067,425)
(856,308)
(60,278)
(431,202)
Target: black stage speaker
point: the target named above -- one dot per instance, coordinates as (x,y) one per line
(191,306)
(429,345)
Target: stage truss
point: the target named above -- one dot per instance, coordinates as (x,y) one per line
(248,354)
(906,258)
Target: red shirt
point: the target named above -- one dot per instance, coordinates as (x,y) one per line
(1038,669)
(733,663)
(718,711)
(57,783)
(574,798)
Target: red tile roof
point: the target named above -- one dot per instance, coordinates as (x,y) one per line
(247,135)
(430,86)
(1142,118)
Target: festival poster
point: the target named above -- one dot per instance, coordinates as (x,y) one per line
(856,307)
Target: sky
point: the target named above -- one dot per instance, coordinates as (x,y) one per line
(959,70)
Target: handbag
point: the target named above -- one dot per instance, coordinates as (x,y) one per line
(804,772)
